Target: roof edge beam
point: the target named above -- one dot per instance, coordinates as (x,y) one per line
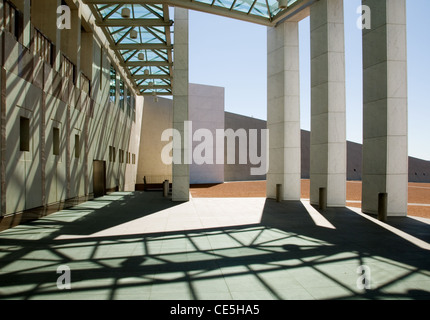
(141,46)
(146,94)
(225,12)
(152,76)
(298,11)
(148,64)
(134,23)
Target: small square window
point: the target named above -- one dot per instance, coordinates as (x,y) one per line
(112,154)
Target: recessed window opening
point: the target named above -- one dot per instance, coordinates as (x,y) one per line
(56,142)
(24,133)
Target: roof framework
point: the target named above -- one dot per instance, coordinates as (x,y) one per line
(148,58)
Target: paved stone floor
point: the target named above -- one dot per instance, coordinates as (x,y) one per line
(418,193)
(142,246)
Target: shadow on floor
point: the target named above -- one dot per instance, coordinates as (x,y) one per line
(285,256)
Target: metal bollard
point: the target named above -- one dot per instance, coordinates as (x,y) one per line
(278,192)
(382,206)
(166,187)
(322,205)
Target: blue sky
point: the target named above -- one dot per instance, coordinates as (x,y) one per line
(232,54)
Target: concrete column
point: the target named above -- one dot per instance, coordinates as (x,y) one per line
(181,148)
(27,27)
(57,62)
(283,111)
(44,17)
(1,18)
(71,44)
(2,116)
(3,113)
(328,121)
(385,110)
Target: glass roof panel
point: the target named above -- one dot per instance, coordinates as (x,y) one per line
(155,82)
(144,35)
(224,3)
(137,11)
(243,5)
(146,12)
(206,1)
(155,33)
(140,71)
(273,6)
(150,55)
(262,8)
(128,54)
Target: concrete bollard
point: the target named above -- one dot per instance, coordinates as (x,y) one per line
(166,187)
(278,192)
(322,205)
(382,206)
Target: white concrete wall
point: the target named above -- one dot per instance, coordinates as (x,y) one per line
(23,188)
(245,172)
(33,89)
(134,146)
(157,117)
(206,111)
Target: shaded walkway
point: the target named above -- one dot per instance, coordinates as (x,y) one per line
(141,246)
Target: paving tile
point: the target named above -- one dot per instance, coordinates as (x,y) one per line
(296,293)
(74,295)
(217,284)
(330,292)
(404,289)
(279,280)
(17,291)
(28,266)
(127,294)
(309,277)
(171,296)
(244,283)
(202,257)
(252,295)
(132,288)
(214,295)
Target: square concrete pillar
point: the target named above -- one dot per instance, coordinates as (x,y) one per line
(27,26)
(2,129)
(385,109)
(44,17)
(283,111)
(328,103)
(182,148)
